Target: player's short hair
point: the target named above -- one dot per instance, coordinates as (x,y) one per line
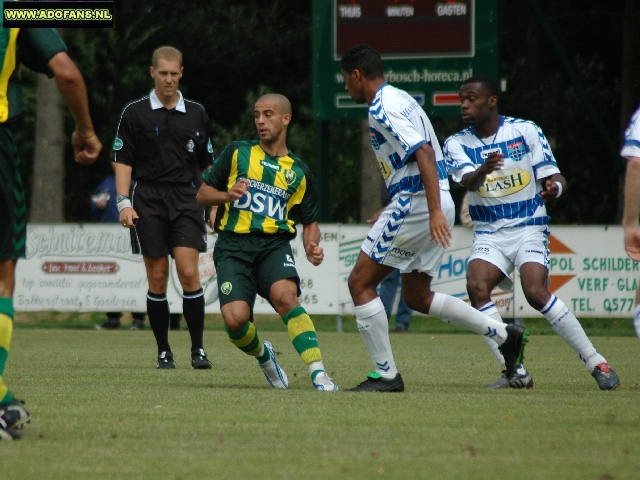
(282,101)
(365,59)
(487,82)
(166,52)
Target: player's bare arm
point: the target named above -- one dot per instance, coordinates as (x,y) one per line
(208,195)
(553,187)
(310,240)
(632,209)
(71,85)
(474,180)
(128,215)
(426,159)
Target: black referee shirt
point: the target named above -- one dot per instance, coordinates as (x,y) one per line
(164,145)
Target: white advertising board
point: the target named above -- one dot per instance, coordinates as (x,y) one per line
(73,267)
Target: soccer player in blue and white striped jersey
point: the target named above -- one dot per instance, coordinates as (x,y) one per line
(411,233)
(631,151)
(510,172)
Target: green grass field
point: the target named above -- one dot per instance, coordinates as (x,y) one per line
(101,410)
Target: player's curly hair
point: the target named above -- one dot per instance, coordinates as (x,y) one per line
(365,59)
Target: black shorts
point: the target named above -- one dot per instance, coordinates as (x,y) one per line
(248,264)
(169,217)
(13,207)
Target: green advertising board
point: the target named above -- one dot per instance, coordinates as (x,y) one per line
(428,47)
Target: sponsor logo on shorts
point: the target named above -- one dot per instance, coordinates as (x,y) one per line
(400,253)
(369,238)
(226,288)
(269,165)
(480,251)
(117,144)
(534,251)
(190,146)
(289,261)
(289,176)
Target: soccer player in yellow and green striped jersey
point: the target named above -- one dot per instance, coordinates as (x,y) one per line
(42,50)
(262,191)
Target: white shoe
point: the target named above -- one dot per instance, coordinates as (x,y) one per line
(323,382)
(272,371)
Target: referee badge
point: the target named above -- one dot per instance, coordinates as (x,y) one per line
(190,146)
(289,176)
(209,146)
(226,287)
(117,144)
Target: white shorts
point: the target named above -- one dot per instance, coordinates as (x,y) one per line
(511,248)
(401,236)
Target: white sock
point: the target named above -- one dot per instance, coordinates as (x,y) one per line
(491,311)
(313,366)
(565,324)
(636,320)
(374,327)
(456,312)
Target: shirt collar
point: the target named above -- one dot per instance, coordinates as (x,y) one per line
(156,103)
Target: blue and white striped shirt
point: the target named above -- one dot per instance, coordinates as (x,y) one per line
(631,147)
(399,127)
(510,197)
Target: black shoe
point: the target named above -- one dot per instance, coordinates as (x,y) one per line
(137,324)
(513,348)
(6,434)
(199,360)
(376,383)
(109,324)
(401,329)
(165,360)
(14,416)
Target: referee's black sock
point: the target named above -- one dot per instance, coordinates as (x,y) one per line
(193,311)
(158,311)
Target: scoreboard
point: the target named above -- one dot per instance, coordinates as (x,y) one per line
(428,47)
(409,29)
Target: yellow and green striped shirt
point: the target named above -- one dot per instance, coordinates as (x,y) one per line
(281,190)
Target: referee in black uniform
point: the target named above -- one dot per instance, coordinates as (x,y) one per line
(162,143)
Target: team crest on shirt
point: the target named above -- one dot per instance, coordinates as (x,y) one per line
(289,176)
(117,144)
(190,146)
(516,150)
(502,183)
(226,288)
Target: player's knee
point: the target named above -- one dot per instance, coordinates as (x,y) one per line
(478,291)
(419,303)
(157,282)
(235,321)
(285,302)
(537,297)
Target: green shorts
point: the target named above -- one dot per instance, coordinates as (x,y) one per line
(248,264)
(13,206)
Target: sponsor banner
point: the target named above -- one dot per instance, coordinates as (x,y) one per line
(73,267)
(90,267)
